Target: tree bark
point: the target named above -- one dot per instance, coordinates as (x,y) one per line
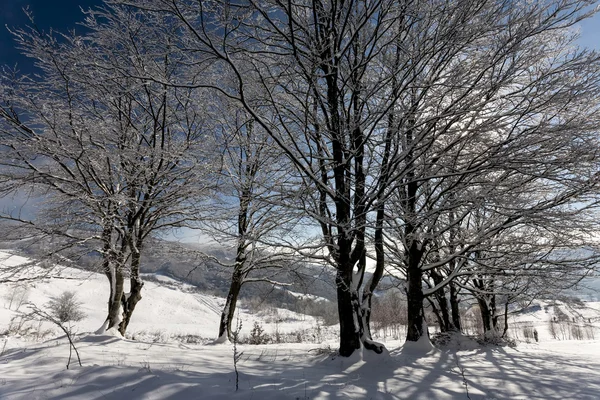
(487,306)
(438,316)
(455,308)
(415,296)
(130,300)
(349,332)
(446,324)
(486,316)
(230,305)
(116,281)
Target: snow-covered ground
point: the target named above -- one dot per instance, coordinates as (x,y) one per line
(168,309)
(155,363)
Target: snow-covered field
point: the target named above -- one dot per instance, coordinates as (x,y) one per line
(169,309)
(156,363)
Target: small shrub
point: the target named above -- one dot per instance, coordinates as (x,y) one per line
(528,333)
(16,297)
(190,339)
(258,335)
(576,332)
(497,341)
(560,315)
(62,310)
(66,308)
(552,329)
(589,332)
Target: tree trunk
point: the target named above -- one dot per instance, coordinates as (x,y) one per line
(229,309)
(130,300)
(505,331)
(443,305)
(438,316)
(116,281)
(486,317)
(487,306)
(446,324)
(455,307)
(349,332)
(367,300)
(353,312)
(237,279)
(414,294)
(415,248)
(112,265)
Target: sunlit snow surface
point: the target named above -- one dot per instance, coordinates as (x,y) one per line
(152,367)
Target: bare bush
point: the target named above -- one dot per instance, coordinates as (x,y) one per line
(258,335)
(325,310)
(66,308)
(528,333)
(16,297)
(553,329)
(576,332)
(389,315)
(590,331)
(63,310)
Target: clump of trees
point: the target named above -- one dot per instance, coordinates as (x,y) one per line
(455,143)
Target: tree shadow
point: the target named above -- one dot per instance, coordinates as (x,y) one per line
(167,371)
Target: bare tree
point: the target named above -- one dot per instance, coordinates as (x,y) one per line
(412,113)
(320,90)
(248,212)
(118,158)
(493,124)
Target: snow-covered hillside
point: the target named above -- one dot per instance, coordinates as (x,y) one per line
(169,309)
(557,320)
(168,355)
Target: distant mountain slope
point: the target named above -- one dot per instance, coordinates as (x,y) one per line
(168,307)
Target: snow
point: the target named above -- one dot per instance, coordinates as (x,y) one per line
(421,346)
(157,366)
(124,369)
(169,308)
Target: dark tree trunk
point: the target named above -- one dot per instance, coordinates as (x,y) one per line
(130,300)
(237,279)
(347,143)
(438,316)
(349,334)
(116,281)
(443,305)
(113,269)
(367,300)
(230,305)
(446,324)
(487,306)
(455,307)
(505,331)
(414,294)
(486,316)
(416,247)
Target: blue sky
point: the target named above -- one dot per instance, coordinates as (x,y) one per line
(590,32)
(65,14)
(58,14)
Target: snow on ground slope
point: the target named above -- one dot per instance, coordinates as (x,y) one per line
(557,320)
(169,308)
(162,368)
(122,370)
